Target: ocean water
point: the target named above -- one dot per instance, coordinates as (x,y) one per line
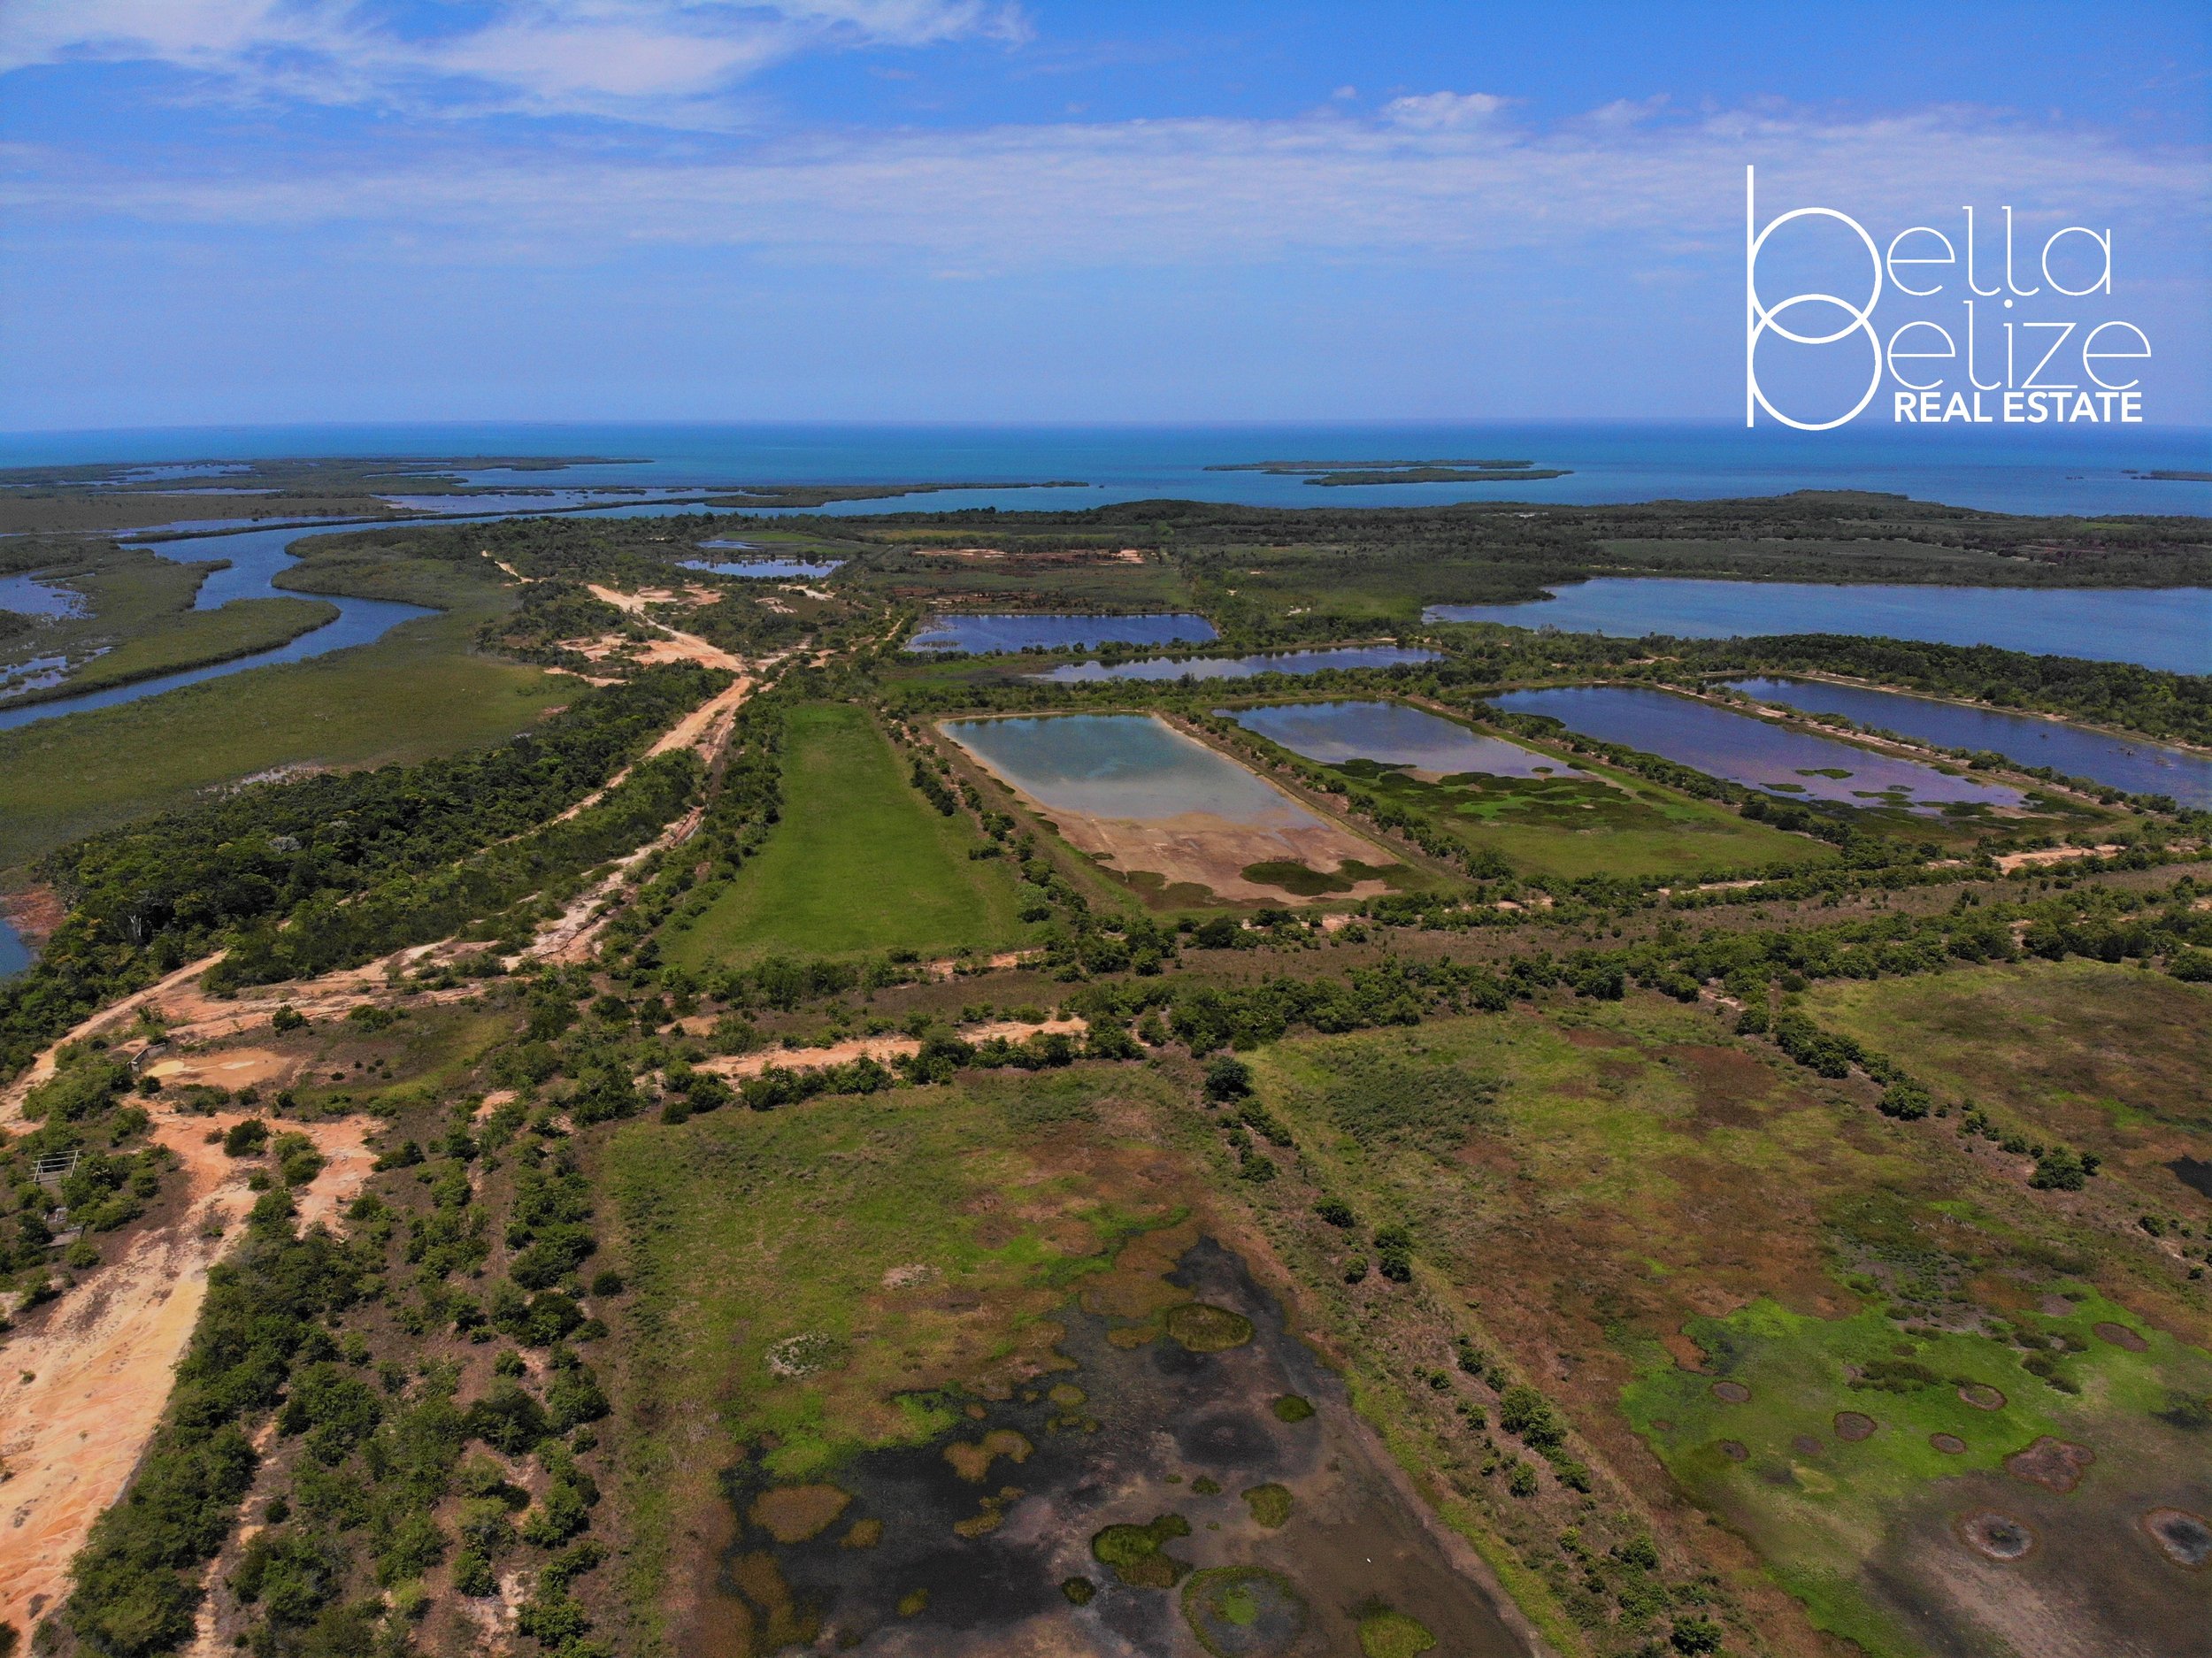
(2075,470)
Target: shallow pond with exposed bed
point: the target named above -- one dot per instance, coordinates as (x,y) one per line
(1109,1506)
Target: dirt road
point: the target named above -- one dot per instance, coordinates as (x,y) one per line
(84,1390)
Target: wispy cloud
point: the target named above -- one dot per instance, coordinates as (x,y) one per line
(1222,191)
(658,59)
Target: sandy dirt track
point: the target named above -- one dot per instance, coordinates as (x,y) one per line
(100,1365)
(882,1050)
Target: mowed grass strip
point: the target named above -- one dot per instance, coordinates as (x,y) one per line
(859,862)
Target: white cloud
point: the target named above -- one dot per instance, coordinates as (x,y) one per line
(655,57)
(1645,194)
(1442,111)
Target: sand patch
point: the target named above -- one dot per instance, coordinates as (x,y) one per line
(101,1361)
(1852,1426)
(2121,1336)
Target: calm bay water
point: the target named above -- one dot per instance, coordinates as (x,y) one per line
(1391,733)
(1130,766)
(983,635)
(1240,667)
(2070,471)
(2124,763)
(1745,749)
(2158,628)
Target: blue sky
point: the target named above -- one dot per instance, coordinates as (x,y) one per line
(233,210)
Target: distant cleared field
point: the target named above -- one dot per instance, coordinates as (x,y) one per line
(859,862)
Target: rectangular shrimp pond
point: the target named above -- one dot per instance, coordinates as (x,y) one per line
(1174,818)
(1514,807)
(1760,754)
(1291,662)
(978,634)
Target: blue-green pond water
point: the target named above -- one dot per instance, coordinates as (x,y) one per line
(1129,766)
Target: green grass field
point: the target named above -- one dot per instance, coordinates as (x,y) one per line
(1603,1182)
(733,1248)
(2109,1059)
(417,691)
(860,861)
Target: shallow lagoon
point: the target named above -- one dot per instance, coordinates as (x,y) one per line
(1744,749)
(2158,628)
(27,596)
(985,635)
(2124,763)
(1127,766)
(1391,733)
(1241,667)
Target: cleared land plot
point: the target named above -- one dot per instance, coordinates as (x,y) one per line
(1643,1208)
(859,862)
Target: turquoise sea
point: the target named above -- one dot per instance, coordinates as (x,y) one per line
(2076,471)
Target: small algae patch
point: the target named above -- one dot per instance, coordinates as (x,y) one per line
(913,1603)
(1138,1554)
(791,1514)
(972,1458)
(1388,1634)
(864,1534)
(1270,1504)
(1292,1408)
(1204,1329)
(1067,1395)
(1205,1485)
(1079,1591)
(1243,1612)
